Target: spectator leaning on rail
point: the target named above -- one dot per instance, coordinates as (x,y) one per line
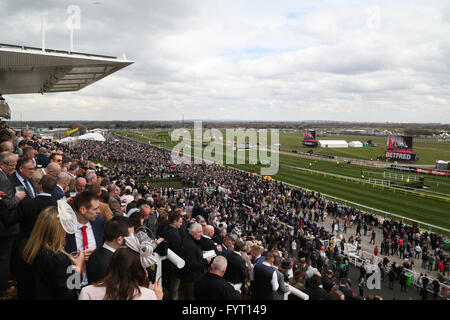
(265,280)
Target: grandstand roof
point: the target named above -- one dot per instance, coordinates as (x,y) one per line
(32,70)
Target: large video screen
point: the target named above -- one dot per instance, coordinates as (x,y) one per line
(400,143)
(309,135)
(309,138)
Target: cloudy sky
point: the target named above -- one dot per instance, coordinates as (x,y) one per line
(246,59)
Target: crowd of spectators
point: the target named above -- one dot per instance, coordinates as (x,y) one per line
(241,236)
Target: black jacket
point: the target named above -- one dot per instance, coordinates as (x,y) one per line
(172,236)
(236,271)
(213,287)
(194,262)
(316,293)
(98,264)
(26,214)
(10,202)
(48,278)
(161,228)
(327,283)
(207,244)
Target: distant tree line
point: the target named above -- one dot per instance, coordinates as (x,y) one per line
(409,128)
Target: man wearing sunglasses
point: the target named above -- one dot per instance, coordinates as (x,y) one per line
(58,158)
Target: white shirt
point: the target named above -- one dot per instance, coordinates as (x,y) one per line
(290,273)
(274,281)
(108,247)
(44,194)
(91,244)
(310,272)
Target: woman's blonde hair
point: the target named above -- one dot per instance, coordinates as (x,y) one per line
(47,232)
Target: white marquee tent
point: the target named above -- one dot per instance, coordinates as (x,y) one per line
(92,136)
(355,144)
(333,144)
(88,136)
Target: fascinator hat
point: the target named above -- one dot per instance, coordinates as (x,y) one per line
(67,216)
(144,248)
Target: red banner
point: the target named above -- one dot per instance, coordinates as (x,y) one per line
(434,172)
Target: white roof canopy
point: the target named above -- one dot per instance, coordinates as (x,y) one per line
(31,70)
(92,136)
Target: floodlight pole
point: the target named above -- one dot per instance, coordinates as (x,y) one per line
(43,32)
(71,39)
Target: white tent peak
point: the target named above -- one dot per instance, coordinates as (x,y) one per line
(92,136)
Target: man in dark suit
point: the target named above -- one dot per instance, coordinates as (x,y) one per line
(62,186)
(42,158)
(212,286)
(194,262)
(8,161)
(115,231)
(29,153)
(149,218)
(22,177)
(172,235)
(29,209)
(237,271)
(227,245)
(90,227)
(255,252)
(206,241)
(220,235)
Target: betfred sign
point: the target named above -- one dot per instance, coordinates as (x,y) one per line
(400,156)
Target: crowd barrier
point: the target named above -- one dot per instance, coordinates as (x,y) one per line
(299,294)
(376,183)
(172,257)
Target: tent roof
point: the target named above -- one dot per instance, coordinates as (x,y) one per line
(92,136)
(32,70)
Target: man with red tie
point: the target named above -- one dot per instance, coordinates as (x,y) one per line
(90,227)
